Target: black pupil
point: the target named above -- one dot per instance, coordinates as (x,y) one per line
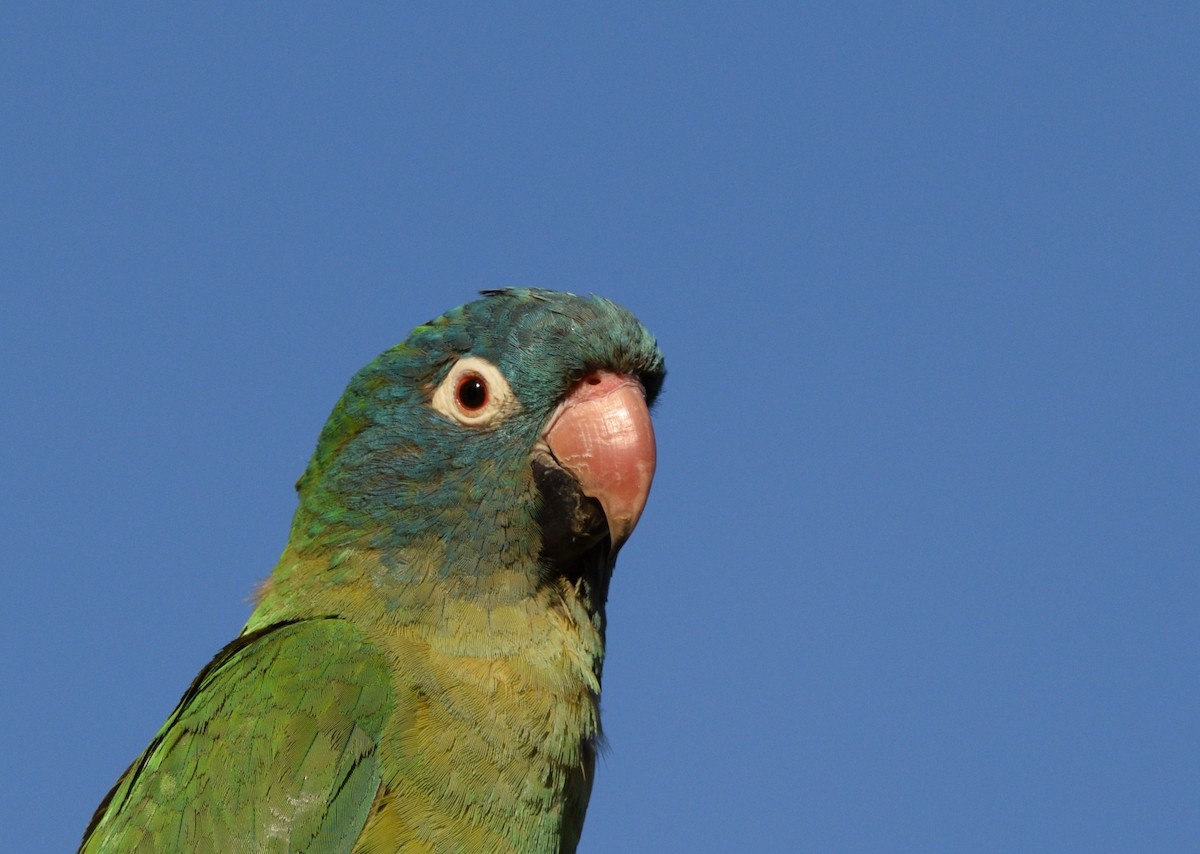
(472,393)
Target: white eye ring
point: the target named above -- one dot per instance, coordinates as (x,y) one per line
(474,393)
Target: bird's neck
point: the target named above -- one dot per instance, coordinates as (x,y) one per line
(429,583)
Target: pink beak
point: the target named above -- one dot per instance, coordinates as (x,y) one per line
(602,435)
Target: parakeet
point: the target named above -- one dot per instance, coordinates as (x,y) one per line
(421,671)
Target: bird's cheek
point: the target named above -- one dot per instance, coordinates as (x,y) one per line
(602,435)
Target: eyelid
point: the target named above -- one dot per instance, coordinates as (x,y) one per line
(500,403)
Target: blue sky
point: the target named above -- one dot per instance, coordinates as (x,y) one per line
(919,570)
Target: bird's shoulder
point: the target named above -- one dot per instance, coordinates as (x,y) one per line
(274,746)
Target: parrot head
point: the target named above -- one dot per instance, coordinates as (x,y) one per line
(511,435)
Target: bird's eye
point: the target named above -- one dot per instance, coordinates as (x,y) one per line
(474,393)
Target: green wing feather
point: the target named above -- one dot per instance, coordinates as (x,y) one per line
(272,748)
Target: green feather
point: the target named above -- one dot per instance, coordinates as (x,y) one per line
(274,747)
